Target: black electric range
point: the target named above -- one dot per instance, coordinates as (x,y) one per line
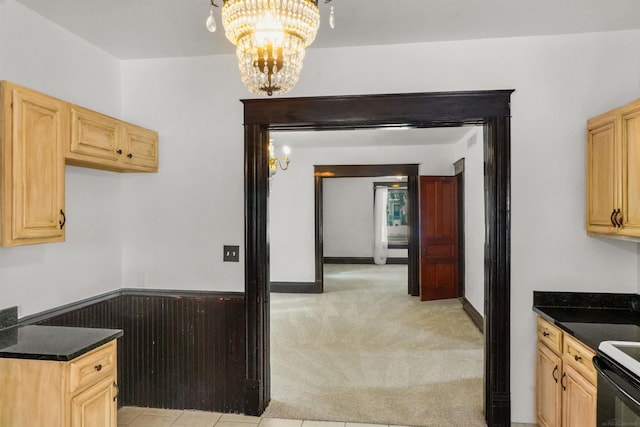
(618,366)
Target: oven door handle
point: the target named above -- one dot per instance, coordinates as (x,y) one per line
(601,370)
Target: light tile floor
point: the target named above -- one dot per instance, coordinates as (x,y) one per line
(130,416)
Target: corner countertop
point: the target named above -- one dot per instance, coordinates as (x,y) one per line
(52,342)
(591,317)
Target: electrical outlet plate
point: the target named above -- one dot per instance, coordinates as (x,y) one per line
(231,253)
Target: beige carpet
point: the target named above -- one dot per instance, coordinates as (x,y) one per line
(365,351)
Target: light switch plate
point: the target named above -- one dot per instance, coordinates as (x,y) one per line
(231,253)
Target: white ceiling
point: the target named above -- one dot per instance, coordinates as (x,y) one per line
(131,29)
(369,137)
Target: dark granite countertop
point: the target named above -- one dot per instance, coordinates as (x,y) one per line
(52,342)
(591,317)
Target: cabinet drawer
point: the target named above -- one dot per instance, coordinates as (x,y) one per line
(580,358)
(550,335)
(92,367)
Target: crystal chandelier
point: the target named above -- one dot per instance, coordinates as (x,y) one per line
(270,38)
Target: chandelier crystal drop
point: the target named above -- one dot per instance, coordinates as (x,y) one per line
(270,38)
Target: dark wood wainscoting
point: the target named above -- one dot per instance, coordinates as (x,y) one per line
(180,350)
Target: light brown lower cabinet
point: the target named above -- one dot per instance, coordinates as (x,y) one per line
(548,389)
(565,380)
(578,400)
(43,393)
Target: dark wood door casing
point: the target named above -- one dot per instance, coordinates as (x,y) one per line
(438,238)
(490,109)
(322,172)
(458,170)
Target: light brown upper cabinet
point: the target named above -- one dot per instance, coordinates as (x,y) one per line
(34,134)
(100,141)
(613,172)
(37,134)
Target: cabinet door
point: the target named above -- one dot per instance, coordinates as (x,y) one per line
(96,406)
(141,148)
(578,400)
(630,172)
(94,139)
(36,127)
(548,389)
(603,160)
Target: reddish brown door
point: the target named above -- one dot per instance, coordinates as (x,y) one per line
(438,238)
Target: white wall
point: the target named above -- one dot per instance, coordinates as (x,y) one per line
(474,227)
(41,55)
(560,81)
(347,221)
(347,218)
(177,221)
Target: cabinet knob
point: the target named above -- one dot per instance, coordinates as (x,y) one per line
(553,374)
(117,392)
(545,334)
(613,213)
(62,221)
(119,151)
(130,155)
(564,386)
(98,367)
(578,358)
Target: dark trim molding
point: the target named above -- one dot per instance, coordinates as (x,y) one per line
(392,185)
(473,314)
(398,245)
(372,111)
(319,230)
(497,270)
(296,287)
(458,169)
(256,268)
(488,108)
(361,260)
(413,198)
(458,166)
(80,304)
(76,305)
(365,171)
